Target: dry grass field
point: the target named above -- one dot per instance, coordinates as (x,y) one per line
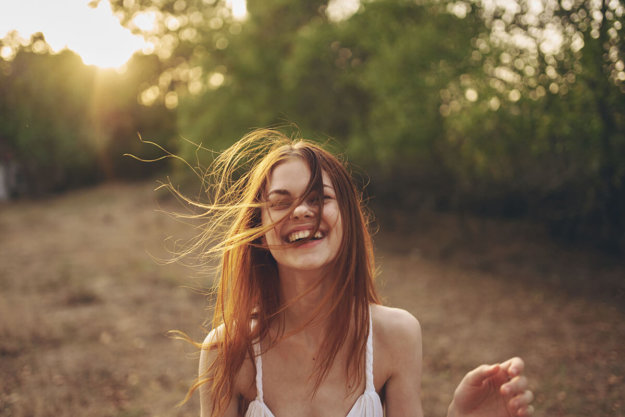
(85,310)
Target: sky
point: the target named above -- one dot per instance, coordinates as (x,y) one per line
(95,34)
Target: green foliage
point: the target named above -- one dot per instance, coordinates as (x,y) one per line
(63,124)
(553,144)
(253,93)
(43,121)
(449,104)
(440,98)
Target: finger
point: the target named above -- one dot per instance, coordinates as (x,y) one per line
(516,385)
(521,401)
(478,375)
(526,411)
(514,366)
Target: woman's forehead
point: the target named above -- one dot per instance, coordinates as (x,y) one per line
(293,175)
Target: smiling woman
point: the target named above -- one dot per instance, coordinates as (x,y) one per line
(315,226)
(298,327)
(94,33)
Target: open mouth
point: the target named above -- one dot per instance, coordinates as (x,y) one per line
(303,234)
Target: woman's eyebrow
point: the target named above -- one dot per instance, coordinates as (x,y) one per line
(279,191)
(282,191)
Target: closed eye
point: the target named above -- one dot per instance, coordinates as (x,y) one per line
(280,203)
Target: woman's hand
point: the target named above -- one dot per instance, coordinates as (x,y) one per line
(498,390)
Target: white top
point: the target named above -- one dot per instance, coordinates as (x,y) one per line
(367,405)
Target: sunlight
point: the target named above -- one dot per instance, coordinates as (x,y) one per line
(342,9)
(145,21)
(93,33)
(112,44)
(238,7)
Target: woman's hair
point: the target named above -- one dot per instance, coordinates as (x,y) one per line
(248,287)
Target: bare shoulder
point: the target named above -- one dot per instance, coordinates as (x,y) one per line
(395,324)
(397,341)
(214,336)
(397,359)
(243,382)
(208,353)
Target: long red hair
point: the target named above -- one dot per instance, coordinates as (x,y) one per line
(248,286)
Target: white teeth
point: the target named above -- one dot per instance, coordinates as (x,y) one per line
(303,234)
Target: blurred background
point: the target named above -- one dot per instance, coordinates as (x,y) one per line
(490,136)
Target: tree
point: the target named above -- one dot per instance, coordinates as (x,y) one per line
(42,116)
(514,109)
(64,124)
(554,72)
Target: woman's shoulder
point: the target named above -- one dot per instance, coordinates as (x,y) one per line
(244,378)
(396,332)
(394,323)
(396,343)
(208,352)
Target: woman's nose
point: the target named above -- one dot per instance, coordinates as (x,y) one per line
(303,210)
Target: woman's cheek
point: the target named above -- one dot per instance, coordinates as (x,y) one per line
(331,214)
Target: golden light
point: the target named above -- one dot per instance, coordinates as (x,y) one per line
(93,33)
(112,44)
(145,21)
(238,7)
(216,79)
(342,9)
(471,95)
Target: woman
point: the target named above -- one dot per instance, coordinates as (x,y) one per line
(298,326)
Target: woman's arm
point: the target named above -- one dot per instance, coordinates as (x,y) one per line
(207,356)
(499,390)
(402,355)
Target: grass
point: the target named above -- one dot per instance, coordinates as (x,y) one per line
(84,310)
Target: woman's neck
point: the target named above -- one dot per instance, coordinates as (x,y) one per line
(303,292)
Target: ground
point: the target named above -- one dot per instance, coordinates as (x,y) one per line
(85,307)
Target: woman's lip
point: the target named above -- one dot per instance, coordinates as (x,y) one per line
(309,243)
(300,228)
(305,242)
(285,237)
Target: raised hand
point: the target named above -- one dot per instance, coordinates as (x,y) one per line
(499,390)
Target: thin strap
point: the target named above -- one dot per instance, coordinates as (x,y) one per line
(259,372)
(369,359)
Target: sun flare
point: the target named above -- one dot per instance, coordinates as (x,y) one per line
(110,45)
(93,33)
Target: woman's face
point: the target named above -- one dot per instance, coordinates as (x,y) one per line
(287,182)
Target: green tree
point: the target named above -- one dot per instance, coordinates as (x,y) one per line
(548,131)
(473,105)
(65,124)
(42,117)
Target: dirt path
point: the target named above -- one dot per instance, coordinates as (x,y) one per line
(84,311)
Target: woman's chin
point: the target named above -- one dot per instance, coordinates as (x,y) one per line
(305,264)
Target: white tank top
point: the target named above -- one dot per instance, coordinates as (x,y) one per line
(367,405)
